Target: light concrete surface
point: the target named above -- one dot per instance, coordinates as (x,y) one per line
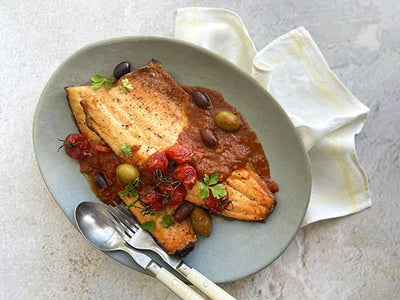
(355,257)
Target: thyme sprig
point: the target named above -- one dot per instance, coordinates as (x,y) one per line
(160,180)
(224,204)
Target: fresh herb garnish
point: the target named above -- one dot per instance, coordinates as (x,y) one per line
(210,183)
(129,191)
(149,225)
(212,179)
(98,81)
(125,150)
(204,191)
(126,86)
(159,179)
(218,191)
(167,221)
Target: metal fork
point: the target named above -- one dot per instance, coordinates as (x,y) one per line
(168,279)
(142,240)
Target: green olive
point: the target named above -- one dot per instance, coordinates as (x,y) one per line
(227,120)
(201,221)
(127,173)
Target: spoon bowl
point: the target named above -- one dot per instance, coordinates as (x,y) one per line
(93,220)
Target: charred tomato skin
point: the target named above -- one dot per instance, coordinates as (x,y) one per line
(186,174)
(153,200)
(177,192)
(178,195)
(158,160)
(179,153)
(216,205)
(76,146)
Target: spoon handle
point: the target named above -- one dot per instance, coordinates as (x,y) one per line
(173,283)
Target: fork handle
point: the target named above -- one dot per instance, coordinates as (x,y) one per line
(173,283)
(203,283)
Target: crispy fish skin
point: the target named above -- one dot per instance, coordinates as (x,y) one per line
(75,95)
(251,198)
(152,117)
(176,239)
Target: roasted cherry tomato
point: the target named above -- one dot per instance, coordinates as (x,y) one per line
(177,192)
(177,196)
(153,200)
(158,160)
(179,153)
(76,145)
(216,205)
(185,174)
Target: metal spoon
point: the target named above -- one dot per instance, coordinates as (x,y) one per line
(95,223)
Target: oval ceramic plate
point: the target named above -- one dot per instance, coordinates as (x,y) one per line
(235,249)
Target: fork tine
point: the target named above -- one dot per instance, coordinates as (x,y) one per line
(123,208)
(127,216)
(118,228)
(121,222)
(124,220)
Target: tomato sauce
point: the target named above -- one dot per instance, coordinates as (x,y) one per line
(235,149)
(100,168)
(100,165)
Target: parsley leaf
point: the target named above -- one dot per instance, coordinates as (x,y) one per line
(98,80)
(97,85)
(154,214)
(167,221)
(210,183)
(123,194)
(218,191)
(109,83)
(129,191)
(125,150)
(204,192)
(212,179)
(127,85)
(149,226)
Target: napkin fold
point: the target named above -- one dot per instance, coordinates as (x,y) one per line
(325,113)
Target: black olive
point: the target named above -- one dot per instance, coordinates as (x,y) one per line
(208,137)
(122,69)
(201,99)
(100,180)
(183,212)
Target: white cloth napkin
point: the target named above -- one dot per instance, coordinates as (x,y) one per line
(326,115)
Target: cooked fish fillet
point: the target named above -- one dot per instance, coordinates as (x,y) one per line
(152,116)
(75,95)
(178,239)
(251,198)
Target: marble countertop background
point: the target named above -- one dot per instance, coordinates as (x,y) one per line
(355,257)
